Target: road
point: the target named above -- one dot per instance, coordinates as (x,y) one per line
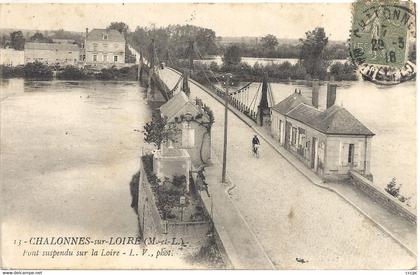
(291,217)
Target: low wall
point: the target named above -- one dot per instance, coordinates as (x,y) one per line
(152,225)
(382,197)
(219,243)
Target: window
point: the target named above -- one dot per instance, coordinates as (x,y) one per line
(95,46)
(302,134)
(350,157)
(115,58)
(95,57)
(105,37)
(105,58)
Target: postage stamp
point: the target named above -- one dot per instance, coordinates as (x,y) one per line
(381,35)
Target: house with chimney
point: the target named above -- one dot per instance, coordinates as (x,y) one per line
(327,138)
(103,48)
(193,120)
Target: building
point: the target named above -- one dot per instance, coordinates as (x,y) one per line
(12,57)
(194,124)
(103,48)
(328,139)
(52,53)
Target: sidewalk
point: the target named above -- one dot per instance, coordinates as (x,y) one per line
(240,244)
(401,230)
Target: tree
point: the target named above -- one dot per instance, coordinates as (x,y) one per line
(119,26)
(232,56)
(159,131)
(17,40)
(40,38)
(311,55)
(269,42)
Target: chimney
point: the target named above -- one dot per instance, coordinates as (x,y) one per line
(331,94)
(87,31)
(315,93)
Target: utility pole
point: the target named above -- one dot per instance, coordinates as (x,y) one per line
(226,82)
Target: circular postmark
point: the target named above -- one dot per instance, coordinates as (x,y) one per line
(382,42)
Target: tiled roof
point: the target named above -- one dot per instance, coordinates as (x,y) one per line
(51,46)
(176,103)
(337,120)
(305,113)
(334,121)
(290,102)
(179,105)
(98,35)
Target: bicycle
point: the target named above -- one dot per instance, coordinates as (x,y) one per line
(256,150)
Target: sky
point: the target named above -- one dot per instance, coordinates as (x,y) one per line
(226,19)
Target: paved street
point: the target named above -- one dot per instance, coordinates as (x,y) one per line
(291,217)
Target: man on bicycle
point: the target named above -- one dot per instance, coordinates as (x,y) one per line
(255,143)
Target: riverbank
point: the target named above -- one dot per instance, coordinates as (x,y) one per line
(276,73)
(40,71)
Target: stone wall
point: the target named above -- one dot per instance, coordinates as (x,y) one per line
(382,197)
(152,225)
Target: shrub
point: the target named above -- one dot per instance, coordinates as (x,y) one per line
(37,70)
(72,73)
(179,181)
(392,189)
(10,72)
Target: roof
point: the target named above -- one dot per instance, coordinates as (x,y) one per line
(180,104)
(335,120)
(176,103)
(290,102)
(98,35)
(51,46)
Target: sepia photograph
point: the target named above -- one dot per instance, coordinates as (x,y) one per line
(210,136)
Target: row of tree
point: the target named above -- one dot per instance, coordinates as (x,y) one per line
(171,42)
(269,47)
(313,60)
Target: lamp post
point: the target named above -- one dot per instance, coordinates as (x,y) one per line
(227,79)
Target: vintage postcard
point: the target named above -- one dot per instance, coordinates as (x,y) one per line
(208,135)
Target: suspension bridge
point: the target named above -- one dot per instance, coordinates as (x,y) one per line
(252,99)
